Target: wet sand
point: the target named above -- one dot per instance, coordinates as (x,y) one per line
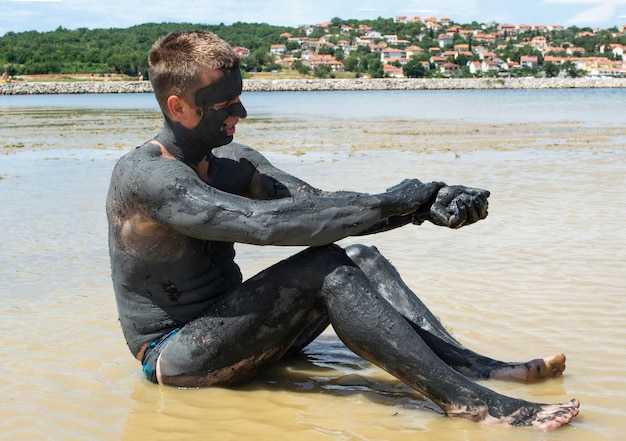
(543,274)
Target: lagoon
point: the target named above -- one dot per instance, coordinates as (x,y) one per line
(537,105)
(544,273)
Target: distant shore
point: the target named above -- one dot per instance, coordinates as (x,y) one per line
(252,85)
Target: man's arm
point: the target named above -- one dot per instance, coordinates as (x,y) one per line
(173,195)
(452,206)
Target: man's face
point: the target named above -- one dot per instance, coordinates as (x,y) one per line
(218,104)
(207,119)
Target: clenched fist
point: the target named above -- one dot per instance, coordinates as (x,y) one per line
(455,206)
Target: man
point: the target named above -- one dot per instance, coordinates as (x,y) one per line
(177,205)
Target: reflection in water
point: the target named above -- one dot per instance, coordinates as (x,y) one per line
(310,397)
(543,273)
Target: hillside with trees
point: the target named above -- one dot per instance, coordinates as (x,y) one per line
(424,47)
(122,51)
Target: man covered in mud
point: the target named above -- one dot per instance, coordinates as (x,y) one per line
(178,204)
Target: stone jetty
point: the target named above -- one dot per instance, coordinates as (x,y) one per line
(304,85)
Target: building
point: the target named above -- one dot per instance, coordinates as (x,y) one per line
(530,61)
(242,51)
(389,55)
(278,50)
(413,51)
(450,68)
(445,40)
(393,71)
(539,42)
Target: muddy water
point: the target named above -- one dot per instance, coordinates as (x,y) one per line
(544,273)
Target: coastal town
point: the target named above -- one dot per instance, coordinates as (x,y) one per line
(400,53)
(442,48)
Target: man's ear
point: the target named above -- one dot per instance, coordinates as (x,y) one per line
(177,107)
(182,112)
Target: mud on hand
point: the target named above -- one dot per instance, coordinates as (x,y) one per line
(456,206)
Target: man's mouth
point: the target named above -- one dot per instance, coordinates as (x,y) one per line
(230,130)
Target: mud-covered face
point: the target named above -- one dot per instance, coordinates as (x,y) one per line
(214,114)
(216,102)
(228,87)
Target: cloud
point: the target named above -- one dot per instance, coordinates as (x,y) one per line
(604,11)
(586,2)
(599,14)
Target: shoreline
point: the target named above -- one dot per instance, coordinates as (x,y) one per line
(316,85)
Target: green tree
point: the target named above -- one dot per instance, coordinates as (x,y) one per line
(414,69)
(351,63)
(375,68)
(322,71)
(261,57)
(569,67)
(550,69)
(302,69)
(461,60)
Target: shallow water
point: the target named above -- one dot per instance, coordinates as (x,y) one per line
(543,274)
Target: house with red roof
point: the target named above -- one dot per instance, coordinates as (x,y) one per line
(389,55)
(530,61)
(242,51)
(617,49)
(445,40)
(539,42)
(450,68)
(413,51)
(278,49)
(393,71)
(575,50)
(437,61)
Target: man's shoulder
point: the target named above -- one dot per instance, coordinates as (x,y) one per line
(142,153)
(135,153)
(147,161)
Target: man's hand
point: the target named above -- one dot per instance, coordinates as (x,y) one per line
(455,206)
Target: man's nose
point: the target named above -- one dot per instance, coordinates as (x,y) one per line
(237,109)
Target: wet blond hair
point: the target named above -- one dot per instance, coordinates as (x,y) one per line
(177,61)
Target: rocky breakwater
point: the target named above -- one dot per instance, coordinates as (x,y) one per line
(430,84)
(56,88)
(306,85)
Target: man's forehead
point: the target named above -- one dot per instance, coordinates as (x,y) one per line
(211,75)
(225,87)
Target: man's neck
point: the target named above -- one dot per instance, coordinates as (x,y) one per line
(180,142)
(202,169)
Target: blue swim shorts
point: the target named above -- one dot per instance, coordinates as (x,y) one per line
(150,357)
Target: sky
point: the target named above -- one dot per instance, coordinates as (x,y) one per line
(47,15)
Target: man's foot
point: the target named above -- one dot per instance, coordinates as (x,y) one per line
(539,368)
(539,416)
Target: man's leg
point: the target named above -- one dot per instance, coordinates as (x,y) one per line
(373,329)
(249,329)
(391,286)
(309,334)
(245,331)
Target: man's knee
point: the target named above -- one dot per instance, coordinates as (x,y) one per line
(332,255)
(359,253)
(343,280)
